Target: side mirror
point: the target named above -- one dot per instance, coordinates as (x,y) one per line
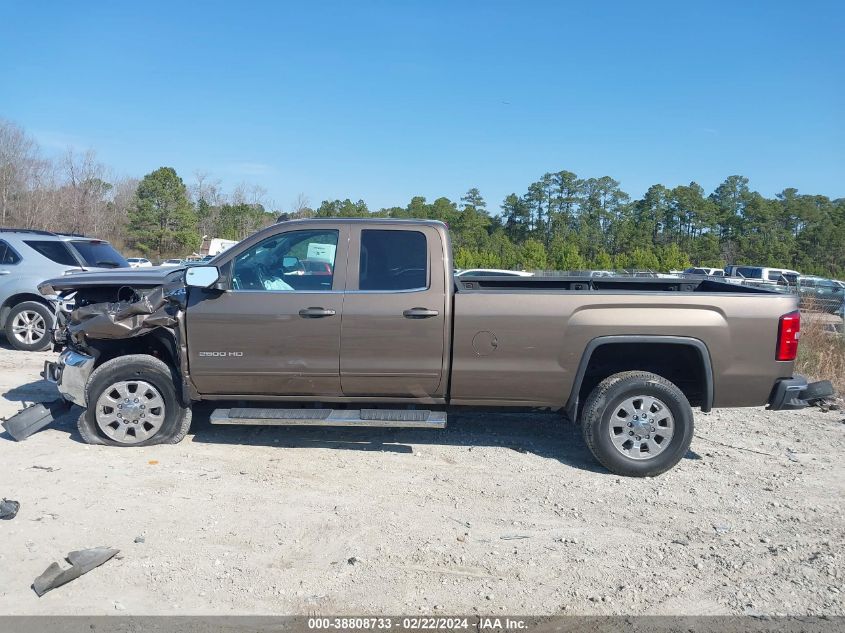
(201,276)
(290,261)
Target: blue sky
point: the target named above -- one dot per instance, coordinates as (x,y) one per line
(386,100)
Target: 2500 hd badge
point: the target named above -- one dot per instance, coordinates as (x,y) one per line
(221,354)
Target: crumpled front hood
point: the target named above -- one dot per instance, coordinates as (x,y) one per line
(134,277)
(117,304)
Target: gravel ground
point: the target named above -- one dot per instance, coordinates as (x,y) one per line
(500,513)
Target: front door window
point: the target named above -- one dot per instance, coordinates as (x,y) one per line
(296,260)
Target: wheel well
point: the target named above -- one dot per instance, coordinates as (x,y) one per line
(14,300)
(685,365)
(153,344)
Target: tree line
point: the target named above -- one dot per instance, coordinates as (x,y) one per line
(563,222)
(560,222)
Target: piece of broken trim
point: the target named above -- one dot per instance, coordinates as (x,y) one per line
(34,418)
(81,562)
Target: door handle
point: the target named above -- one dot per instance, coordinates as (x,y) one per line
(315,313)
(4,272)
(419,313)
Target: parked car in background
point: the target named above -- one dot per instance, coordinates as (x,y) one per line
(139,262)
(820,294)
(492,272)
(28,257)
(197,262)
(762,275)
(602,273)
(168,263)
(704,270)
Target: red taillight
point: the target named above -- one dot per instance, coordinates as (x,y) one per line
(789,331)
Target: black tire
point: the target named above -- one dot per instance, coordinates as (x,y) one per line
(140,367)
(597,422)
(16,340)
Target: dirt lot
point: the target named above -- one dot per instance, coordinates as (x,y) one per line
(499,513)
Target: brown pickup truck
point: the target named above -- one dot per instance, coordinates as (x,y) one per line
(344,322)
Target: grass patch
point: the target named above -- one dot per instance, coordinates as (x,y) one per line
(821,352)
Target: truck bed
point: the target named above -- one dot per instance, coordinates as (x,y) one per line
(536,330)
(468,283)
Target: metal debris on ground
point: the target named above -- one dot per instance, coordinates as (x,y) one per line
(9,509)
(514,537)
(81,562)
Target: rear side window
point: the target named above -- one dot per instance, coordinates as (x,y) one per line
(100,254)
(8,257)
(54,251)
(393,260)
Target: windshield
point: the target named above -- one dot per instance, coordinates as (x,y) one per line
(99,254)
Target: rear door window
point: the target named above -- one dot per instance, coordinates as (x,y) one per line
(8,257)
(54,251)
(393,260)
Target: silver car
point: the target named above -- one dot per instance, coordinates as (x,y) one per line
(28,257)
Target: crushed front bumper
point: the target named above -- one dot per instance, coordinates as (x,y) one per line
(70,374)
(796,393)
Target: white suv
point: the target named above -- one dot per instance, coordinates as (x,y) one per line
(28,257)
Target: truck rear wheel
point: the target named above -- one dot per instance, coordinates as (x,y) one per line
(133,401)
(637,424)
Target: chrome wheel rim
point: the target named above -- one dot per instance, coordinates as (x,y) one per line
(641,427)
(130,411)
(29,327)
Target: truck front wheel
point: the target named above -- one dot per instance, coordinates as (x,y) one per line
(133,401)
(637,424)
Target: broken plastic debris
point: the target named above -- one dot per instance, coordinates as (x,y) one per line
(81,562)
(26,422)
(9,509)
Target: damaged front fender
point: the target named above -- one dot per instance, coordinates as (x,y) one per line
(112,317)
(162,307)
